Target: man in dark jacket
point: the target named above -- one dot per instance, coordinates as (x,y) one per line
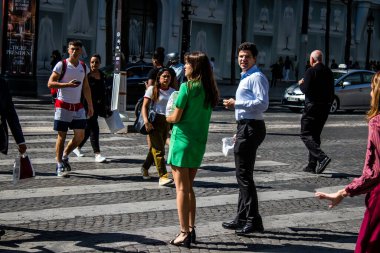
(9,118)
(318,87)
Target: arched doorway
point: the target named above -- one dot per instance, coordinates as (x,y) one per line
(139,19)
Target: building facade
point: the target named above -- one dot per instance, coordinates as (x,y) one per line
(274,25)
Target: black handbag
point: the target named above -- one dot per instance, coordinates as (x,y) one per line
(139,124)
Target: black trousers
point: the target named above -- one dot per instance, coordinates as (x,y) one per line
(92,131)
(250,134)
(312,122)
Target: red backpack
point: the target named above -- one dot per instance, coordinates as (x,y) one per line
(53,91)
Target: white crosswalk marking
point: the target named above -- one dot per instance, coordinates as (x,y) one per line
(112,179)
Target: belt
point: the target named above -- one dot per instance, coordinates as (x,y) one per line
(68,106)
(247,121)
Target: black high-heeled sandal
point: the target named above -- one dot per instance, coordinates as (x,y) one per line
(193,235)
(185,243)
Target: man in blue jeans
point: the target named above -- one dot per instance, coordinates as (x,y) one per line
(250,104)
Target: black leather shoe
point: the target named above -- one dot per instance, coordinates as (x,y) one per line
(233,225)
(322,165)
(249,228)
(309,169)
(2,232)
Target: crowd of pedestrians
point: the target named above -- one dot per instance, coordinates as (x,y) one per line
(81,100)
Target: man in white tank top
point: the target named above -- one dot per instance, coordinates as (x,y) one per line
(69,111)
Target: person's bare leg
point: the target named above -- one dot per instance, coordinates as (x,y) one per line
(75,141)
(59,146)
(182,184)
(192,201)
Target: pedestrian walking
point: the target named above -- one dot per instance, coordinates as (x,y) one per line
(250,104)
(191,118)
(276,73)
(288,66)
(9,118)
(158,94)
(97,83)
(69,111)
(369,183)
(318,87)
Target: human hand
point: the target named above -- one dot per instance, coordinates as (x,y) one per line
(22,148)
(149,127)
(74,83)
(301,81)
(90,111)
(229,103)
(335,198)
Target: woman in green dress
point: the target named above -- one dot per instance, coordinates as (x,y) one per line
(191,117)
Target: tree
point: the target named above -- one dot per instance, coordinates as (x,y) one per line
(109,32)
(244,20)
(347,47)
(233,44)
(327,33)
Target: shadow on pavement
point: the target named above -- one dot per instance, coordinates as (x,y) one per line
(289,242)
(79,238)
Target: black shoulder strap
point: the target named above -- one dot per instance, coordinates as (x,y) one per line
(64,67)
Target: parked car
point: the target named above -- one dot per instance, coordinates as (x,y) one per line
(352,91)
(137,74)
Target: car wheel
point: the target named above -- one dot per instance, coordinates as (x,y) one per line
(334,106)
(295,109)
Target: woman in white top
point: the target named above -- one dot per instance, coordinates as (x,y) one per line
(158,94)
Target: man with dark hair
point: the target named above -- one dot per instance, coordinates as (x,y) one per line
(318,87)
(250,104)
(9,118)
(69,111)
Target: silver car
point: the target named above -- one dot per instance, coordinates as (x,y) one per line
(352,91)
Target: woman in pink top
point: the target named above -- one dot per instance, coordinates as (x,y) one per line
(369,183)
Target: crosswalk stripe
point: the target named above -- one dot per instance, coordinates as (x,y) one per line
(204,230)
(123,187)
(137,207)
(87,159)
(137,170)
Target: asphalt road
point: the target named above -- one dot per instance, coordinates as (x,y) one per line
(108,207)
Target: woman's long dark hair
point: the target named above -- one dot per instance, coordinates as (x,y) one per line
(157,84)
(202,72)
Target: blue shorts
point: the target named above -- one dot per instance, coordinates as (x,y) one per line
(65,119)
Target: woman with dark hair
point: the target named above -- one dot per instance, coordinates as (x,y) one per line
(158,94)
(97,83)
(191,118)
(369,183)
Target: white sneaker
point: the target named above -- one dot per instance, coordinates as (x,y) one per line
(99,158)
(78,152)
(164,180)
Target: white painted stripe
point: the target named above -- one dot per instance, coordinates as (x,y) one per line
(137,207)
(121,172)
(137,170)
(208,229)
(88,159)
(109,138)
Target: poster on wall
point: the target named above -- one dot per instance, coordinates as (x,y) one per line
(20,38)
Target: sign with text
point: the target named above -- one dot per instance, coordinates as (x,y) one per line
(20,38)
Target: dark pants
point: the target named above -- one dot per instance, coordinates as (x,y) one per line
(92,131)
(312,122)
(250,134)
